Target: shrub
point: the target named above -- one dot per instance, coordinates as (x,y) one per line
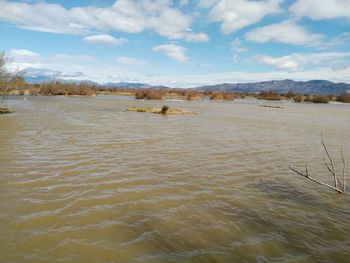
(307,98)
(222,96)
(269,95)
(150,94)
(297,99)
(57,88)
(290,94)
(164,109)
(320,99)
(345,98)
(192,95)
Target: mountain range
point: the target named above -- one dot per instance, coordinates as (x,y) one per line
(311,87)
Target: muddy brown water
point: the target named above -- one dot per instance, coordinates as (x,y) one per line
(82,180)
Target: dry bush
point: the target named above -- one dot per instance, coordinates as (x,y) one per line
(51,88)
(222,96)
(241,95)
(307,98)
(32,91)
(150,94)
(192,95)
(268,95)
(320,99)
(290,94)
(297,98)
(80,90)
(69,89)
(345,98)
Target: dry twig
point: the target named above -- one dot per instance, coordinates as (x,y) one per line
(338,185)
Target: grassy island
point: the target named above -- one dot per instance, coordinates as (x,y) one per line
(4,110)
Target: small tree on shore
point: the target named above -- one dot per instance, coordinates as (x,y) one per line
(4,77)
(7,80)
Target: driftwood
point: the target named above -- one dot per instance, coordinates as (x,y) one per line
(271,106)
(339,186)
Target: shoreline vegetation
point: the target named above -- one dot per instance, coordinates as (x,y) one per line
(15,84)
(18,86)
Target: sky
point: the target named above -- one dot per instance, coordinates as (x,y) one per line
(179,43)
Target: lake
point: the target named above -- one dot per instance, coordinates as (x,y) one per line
(83,180)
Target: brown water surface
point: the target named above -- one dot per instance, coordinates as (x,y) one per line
(82,180)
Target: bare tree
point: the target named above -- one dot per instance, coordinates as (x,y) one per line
(339,184)
(5,79)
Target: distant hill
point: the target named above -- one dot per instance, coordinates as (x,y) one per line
(129,85)
(43,79)
(132,85)
(312,87)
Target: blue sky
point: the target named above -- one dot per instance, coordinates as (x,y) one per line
(178,43)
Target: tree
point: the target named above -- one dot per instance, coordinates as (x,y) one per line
(5,79)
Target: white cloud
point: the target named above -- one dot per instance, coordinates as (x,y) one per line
(286,32)
(285,62)
(21,59)
(236,46)
(131,16)
(32,63)
(318,10)
(235,58)
(104,39)
(237,14)
(300,61)
(200,37)
(130,61)
(339,40)
(23,53)
(174,52)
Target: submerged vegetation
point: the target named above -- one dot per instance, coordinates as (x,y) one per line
(164,110)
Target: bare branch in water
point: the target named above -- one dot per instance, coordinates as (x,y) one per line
(343,159)
(315,180)
(328,162)
(332,171)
